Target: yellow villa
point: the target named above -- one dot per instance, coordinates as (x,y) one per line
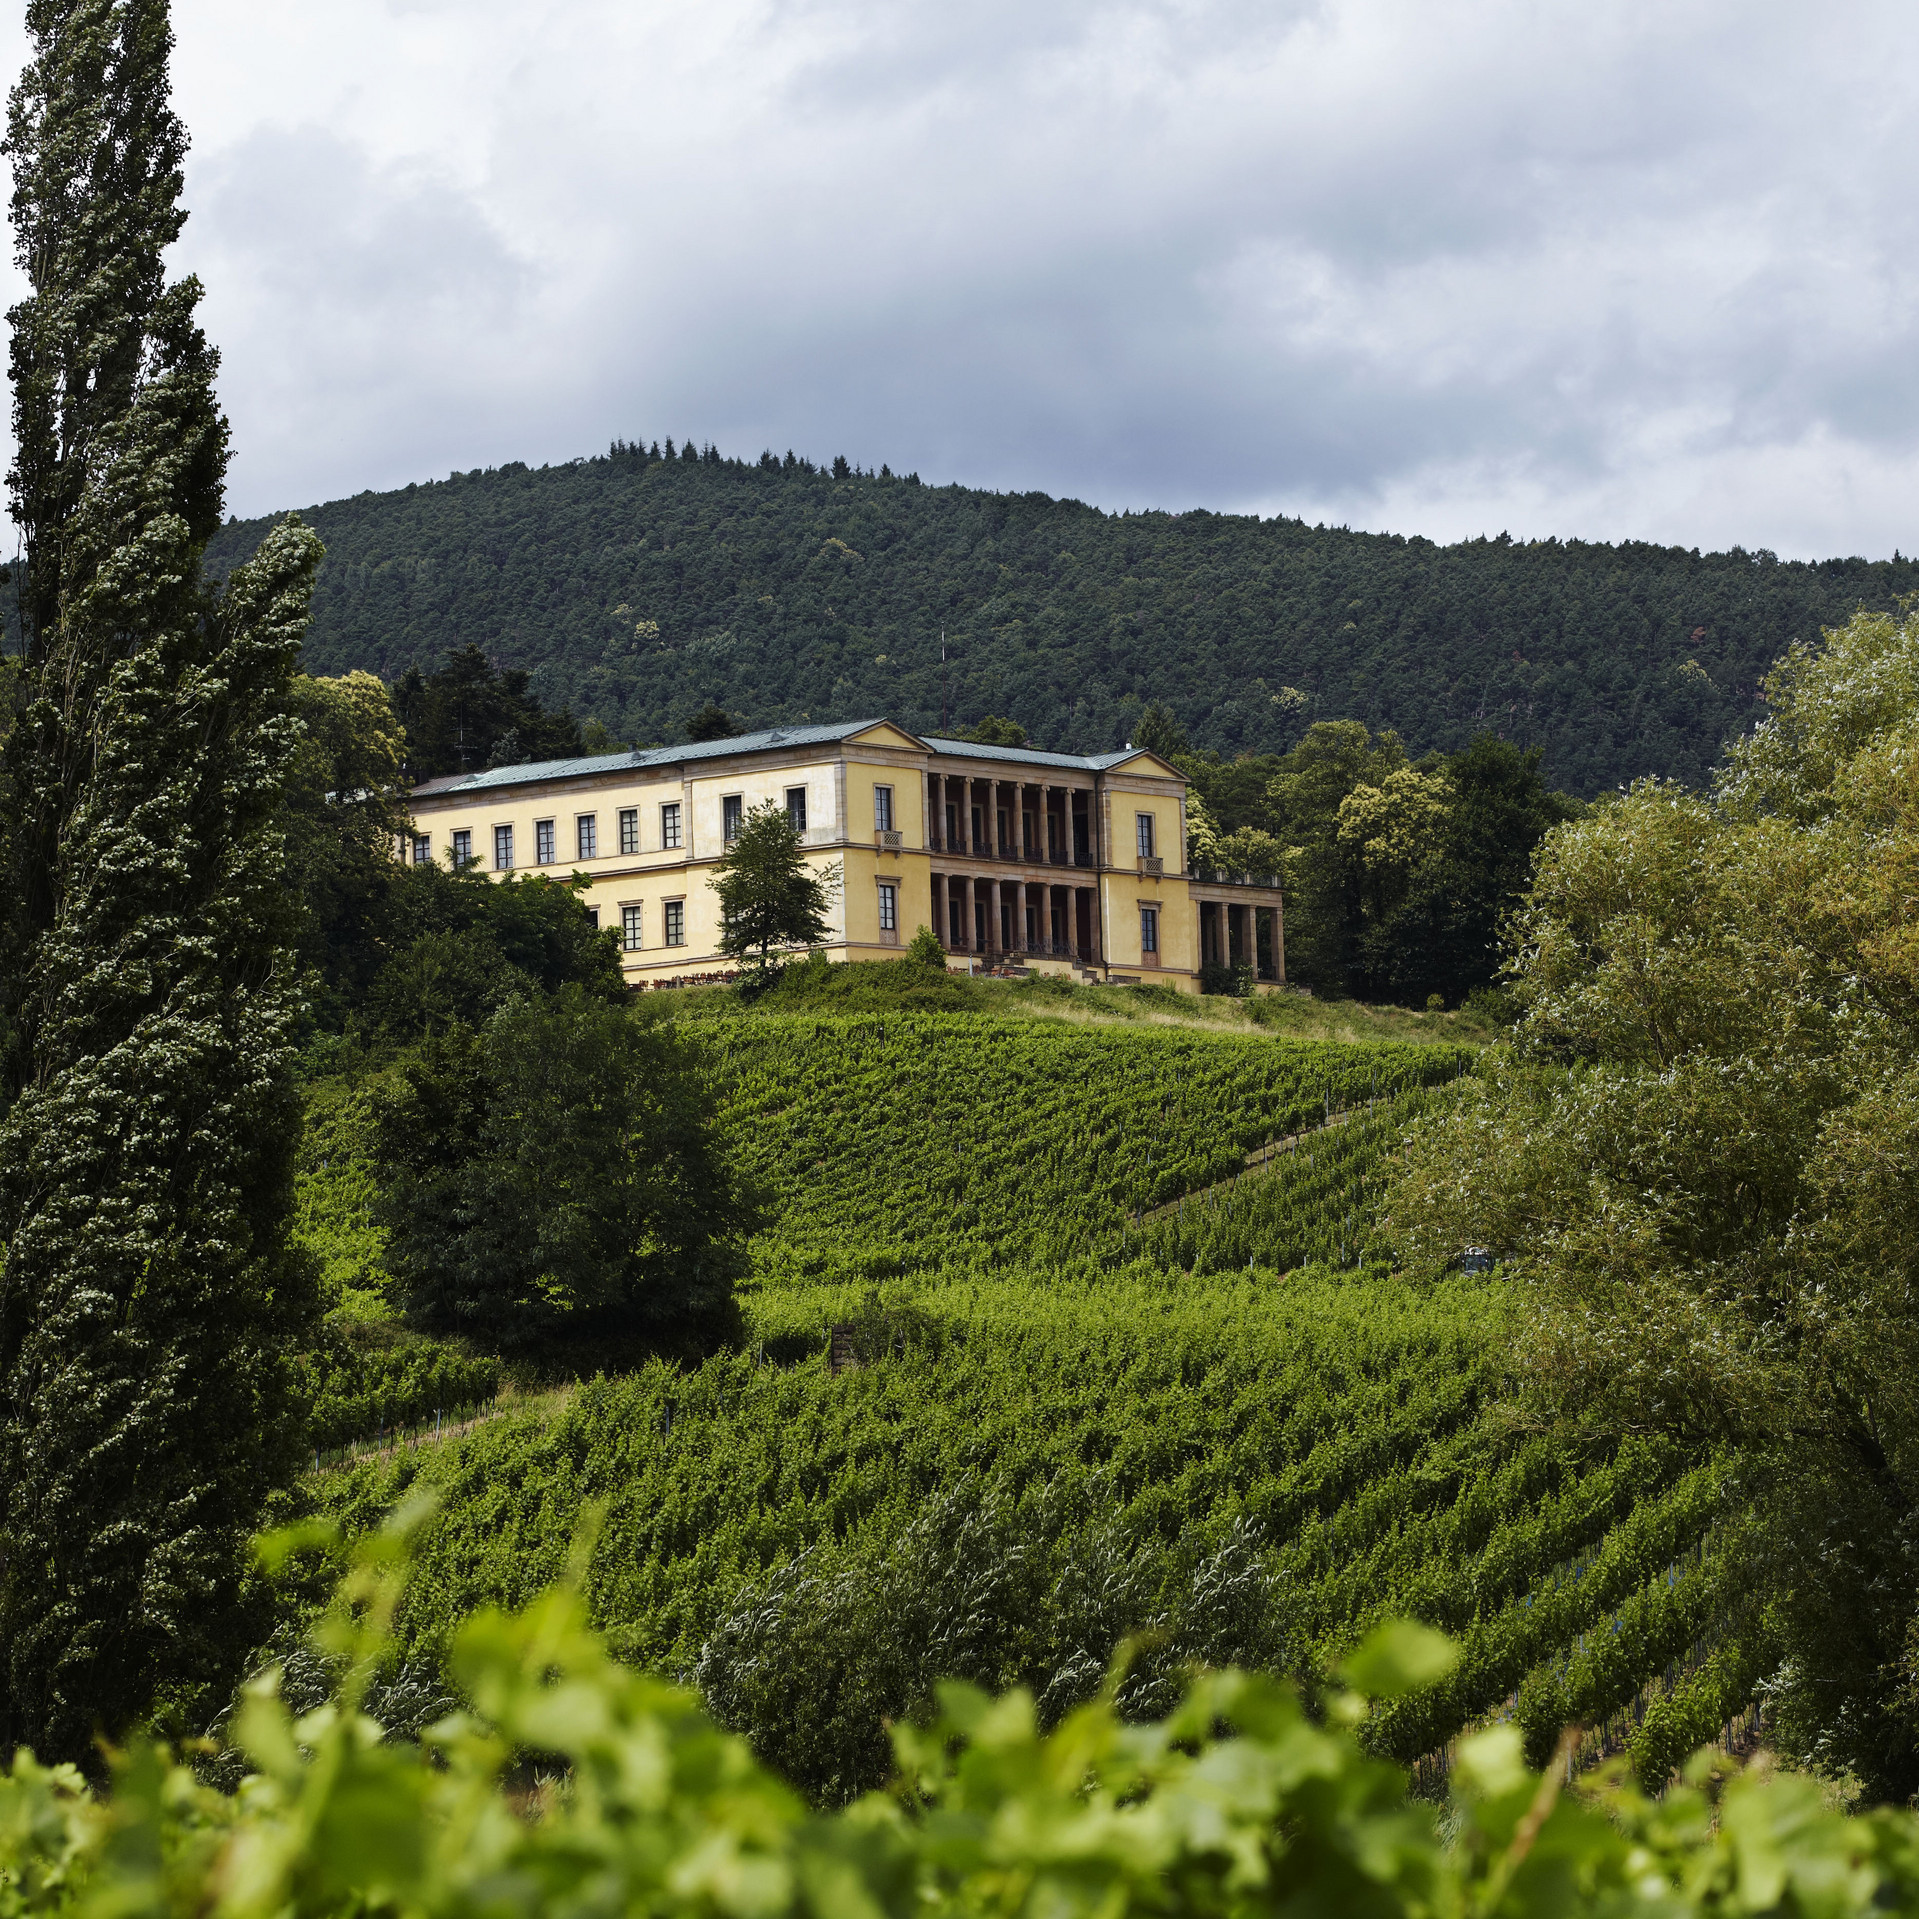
(1018,860)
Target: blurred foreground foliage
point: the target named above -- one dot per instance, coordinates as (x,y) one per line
(573,1785)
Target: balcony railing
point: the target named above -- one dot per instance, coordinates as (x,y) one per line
(1012,855)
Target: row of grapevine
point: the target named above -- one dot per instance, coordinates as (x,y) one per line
(1348,1425)
(891,1143)
(355,1392)
(1112,1378)
(1313,1201)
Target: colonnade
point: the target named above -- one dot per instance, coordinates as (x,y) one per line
(1234,935)
(991,819)
(1013,918)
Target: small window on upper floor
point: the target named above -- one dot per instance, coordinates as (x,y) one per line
(422,849)
(673,915)
(670,824)
(731,807)
(503,848)
(586,836)
(1145,835)
(882,809)
(796,808)
(544,850)
(629,829)
(462,848)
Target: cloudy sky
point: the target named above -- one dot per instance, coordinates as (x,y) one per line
(1589,267)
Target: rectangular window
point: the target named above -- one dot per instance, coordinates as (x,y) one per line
(670,824)
(730,808)
(586,835)
(1145,836)
(1149,929)
(463,848)
(889,909)
(422,849)
(882,809)
(629,829)
(630,928)
(503,848)
(543,847)
(796,808)
(593,917)
(675,911)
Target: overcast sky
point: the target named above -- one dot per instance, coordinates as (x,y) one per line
(1552,266)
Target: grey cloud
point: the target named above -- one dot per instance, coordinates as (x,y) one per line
(362,308)
(1607,269)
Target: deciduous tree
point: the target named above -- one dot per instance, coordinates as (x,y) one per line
(770,898)
(1702,1151)
(556,1172)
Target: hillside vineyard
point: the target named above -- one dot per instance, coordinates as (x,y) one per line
(637,588)
(1069,1417)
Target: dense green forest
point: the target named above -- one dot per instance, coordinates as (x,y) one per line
(634,589)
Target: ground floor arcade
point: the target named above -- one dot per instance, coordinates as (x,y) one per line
(1000,919)
(1239,934)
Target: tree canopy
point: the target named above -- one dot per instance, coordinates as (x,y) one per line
(1398,874)
(469,713)
(712,722)
(393,948)
(150,1300)
(555,1172)
(1702,1148)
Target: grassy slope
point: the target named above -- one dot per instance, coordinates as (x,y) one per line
(899,985)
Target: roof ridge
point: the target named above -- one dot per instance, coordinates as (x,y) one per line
(765,739)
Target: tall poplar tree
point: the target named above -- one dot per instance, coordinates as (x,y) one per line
(148,1294)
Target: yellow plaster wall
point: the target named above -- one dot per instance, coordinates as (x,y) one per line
(521,808)
(912,873)
(1178,925)
(1126,806)
(909,800)
(758,786)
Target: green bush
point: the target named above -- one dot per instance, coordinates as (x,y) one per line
(556,1172)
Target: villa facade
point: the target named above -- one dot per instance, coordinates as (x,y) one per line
(1046,862)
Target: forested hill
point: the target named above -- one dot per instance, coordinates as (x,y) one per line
(638,588)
